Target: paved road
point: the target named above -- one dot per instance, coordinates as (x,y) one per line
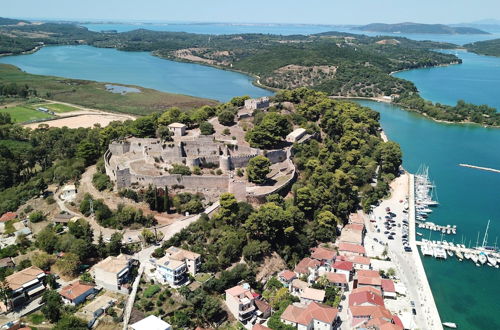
(406,262)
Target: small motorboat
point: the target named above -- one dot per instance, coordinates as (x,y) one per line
(450,325)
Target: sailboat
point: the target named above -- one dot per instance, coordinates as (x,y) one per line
(482,258)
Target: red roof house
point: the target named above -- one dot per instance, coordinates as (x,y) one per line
(326,316)
(8,216)
(388,289)
(304,265)
(323,254)
(351,249)
(365,299)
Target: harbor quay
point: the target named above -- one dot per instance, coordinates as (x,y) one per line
(405,256)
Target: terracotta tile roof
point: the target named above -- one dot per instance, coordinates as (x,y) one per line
(360,298)
(313,311)
(321,253)
(368,273)
(313,294)
(75,290)
(287,275)
(356,248)
(360,260)
(8,216)
(336,278)
(372,312)
(113,264)
(363,280)
(304,265)
(390,326)
(388,285)
(354,226)
(299,284)
(343,265)
(262,305)
(367,289)
(24,276)
(236,290)
(260,327)
(351,236)
(181,254)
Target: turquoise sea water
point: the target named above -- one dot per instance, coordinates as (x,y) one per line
(136,68)
(283,29)
(476,80)
(465,294)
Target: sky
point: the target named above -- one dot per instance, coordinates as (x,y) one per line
(257,11)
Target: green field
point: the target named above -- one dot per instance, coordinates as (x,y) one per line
(57,107)
(94,94)
(22,114)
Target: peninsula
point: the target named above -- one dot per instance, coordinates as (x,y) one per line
(409,27)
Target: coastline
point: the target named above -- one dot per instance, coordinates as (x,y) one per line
(410,272)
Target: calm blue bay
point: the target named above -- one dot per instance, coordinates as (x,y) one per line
(464,294)
(136,68)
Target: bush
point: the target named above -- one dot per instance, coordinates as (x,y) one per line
(101,181)
(151,291)
(206,128)
(180,169)
(226,118)
(37,216)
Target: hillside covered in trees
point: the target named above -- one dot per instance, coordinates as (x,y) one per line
(420,28)
(488,47)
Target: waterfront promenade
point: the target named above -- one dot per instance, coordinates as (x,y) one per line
(408,265)
(424,290)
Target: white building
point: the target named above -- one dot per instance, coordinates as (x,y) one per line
(151,323)
(68,192)
(254,104)
(172,272)
(178,129)
(191,259)
(113,273)
(240,303)
(296,135)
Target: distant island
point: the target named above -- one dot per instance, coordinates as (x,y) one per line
(11,21)
(419,28)
(488,47)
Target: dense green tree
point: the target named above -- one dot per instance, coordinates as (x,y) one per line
(258,168)
(206,128)
(226,118)
(52,305)
(70,322)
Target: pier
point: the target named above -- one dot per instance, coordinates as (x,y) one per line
(489,169)
(442,249)
(448,229)
(432,316)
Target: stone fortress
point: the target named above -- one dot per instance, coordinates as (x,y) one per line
(139,162)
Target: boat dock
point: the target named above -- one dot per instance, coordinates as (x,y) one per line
(432,315)
(448,229)
(444,250)
(480,168)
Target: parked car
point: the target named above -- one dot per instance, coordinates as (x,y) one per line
(414,311)
(390,237)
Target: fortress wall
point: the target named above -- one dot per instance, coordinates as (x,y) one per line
(123,178)
(195,149)
(219,182)
(194,182)
(275,156)
(119,148)
(240,161)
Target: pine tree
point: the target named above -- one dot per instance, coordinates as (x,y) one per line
(166,201)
